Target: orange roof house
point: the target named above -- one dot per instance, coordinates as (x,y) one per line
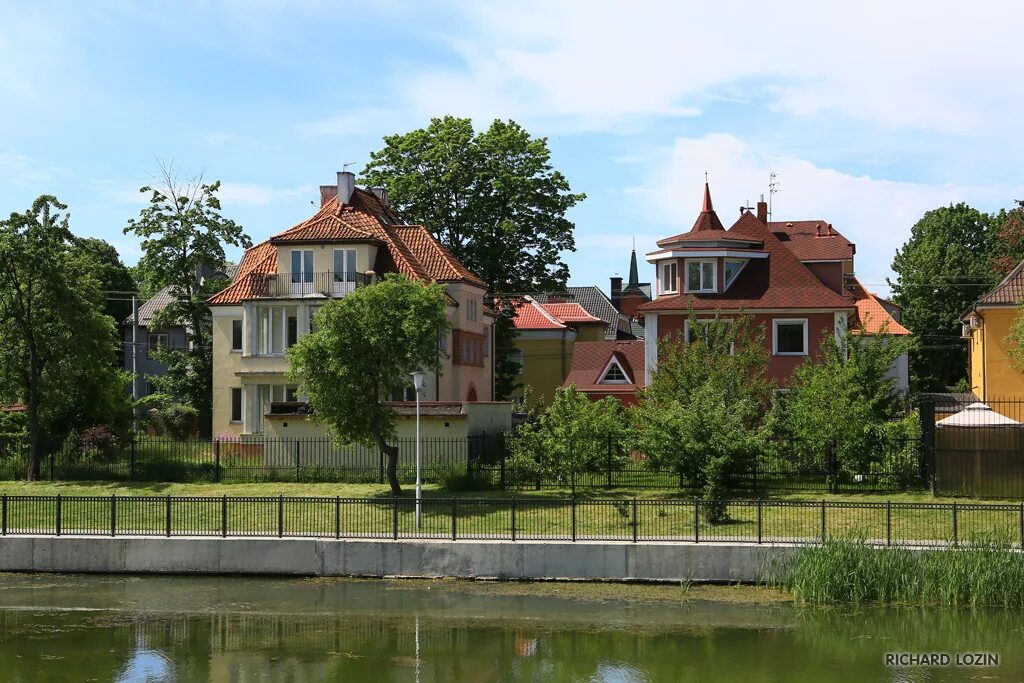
(352,240)
(794,278)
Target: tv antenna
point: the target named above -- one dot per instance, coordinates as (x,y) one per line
(344,166)
(774,186)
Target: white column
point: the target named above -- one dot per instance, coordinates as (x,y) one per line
(650,346)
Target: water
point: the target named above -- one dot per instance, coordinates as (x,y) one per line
(75,628)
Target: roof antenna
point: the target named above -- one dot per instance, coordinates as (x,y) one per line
(774,186)
(344,166)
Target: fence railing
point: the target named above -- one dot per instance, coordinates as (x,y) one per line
(513,519)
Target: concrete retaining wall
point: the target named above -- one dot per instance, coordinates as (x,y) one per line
(378,558)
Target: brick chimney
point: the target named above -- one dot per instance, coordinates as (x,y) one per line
(762,211)
(615,291)
(327,193)
(346,186)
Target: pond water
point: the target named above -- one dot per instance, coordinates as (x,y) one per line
(117,628)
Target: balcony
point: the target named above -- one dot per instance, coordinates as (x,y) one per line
(303,285)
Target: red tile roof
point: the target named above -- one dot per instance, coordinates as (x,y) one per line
(407,249)
(779,282)
(533,315)
(1009,292)
(872,317)
(589,360)
(813,240)
(707,221)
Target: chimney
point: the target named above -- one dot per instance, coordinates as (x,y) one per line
(346,186)
(762,211)
(616,292)
(817,229)
(327,193)
(382,194)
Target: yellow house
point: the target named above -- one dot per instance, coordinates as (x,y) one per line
(353,239)
(986,327)
(546,334)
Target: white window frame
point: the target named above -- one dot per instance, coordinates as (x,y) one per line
(775,336)
(471,310)
(241,335)
(241,405)
(726,283)
(665,267)
(344,281)
(700,262)
(162,340)
(269,317)
(706,321)
(607,368)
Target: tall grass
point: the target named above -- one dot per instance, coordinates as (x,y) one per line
(982,573)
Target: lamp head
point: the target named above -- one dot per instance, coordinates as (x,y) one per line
(417,380)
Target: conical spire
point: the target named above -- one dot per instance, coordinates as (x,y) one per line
(708,219)
(634,276)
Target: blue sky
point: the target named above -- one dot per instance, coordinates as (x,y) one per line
(870,114)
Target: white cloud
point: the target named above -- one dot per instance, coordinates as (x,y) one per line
(873,213)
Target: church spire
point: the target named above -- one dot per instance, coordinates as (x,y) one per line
(634,276)
(708,219)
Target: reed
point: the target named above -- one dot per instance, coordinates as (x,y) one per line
(986,572)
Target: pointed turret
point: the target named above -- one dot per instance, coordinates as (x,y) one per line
(708,219)
(634,275)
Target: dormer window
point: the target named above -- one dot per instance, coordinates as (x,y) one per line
(732,270)
(669,277)
(701,275)
(614,374)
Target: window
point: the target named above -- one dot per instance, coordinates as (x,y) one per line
(471,310)
(309,321)
(732,269)
(669,275)
(706,330)
(236,335)
(344,265)
(302,265)
(487,341)
(700,275)
(236,404)
(790,338)
(276,329)
(614,374)
(468,348)
(158,340)
(442,343)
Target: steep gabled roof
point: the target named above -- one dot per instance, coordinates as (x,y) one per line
(780,281)
(533,315)
(589,360)
(813,240)
(1009,292)
(872,317)
(406,249)
(594,301)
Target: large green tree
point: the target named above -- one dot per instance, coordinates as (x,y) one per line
(493,199)
(115,279)
(183,238)
(57,347)
(1008,249)
(363,351)
(940,271)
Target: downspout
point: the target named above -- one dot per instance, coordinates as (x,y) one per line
(984,368)
(564,330)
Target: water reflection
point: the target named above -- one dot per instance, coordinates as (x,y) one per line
(157,629)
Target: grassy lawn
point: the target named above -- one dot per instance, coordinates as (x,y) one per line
(600,514)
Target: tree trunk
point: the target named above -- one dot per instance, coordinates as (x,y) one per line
(391,453)
(35,436)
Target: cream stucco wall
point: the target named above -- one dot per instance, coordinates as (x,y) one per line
(323,256)
(225,364)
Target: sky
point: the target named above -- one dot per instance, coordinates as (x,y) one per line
(870,113)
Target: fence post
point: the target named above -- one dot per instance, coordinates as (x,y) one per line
(455,509)
(696,520)
(755,473)
(574,518)
(296,459)
(58,514)
(4,513)
(380,470)
(337,517)
(52,455)
(168,529)
(131,465)
(1022,526)
(501,475)
(759,526)
(888,522)
(224,515)
(113,514)
(926,410)
(513,515)
(822,520)
(636,521)
(609,459)
(956,535)
(280,516)
(394,518)
(216,459)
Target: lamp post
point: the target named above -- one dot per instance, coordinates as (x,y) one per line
(417,383)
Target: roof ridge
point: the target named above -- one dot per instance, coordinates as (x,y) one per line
(544,311)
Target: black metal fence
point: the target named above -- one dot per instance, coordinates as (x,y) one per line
(512,519)
(978,450)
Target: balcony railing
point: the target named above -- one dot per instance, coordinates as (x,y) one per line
(288,285)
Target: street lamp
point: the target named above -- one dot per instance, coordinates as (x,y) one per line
(417,383)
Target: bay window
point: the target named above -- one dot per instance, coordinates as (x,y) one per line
(701,275)
(669,278)
(276,329)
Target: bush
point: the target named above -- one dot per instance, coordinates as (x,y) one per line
(96,442)
(177,420)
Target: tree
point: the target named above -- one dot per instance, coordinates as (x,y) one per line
(493,199)
(114,278)
(57,347)
(1008,249)
(573,436)
(840,404)
(941,270)
(183,244)
(701,413)
(364,349)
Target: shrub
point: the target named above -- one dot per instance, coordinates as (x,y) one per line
(176,420)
